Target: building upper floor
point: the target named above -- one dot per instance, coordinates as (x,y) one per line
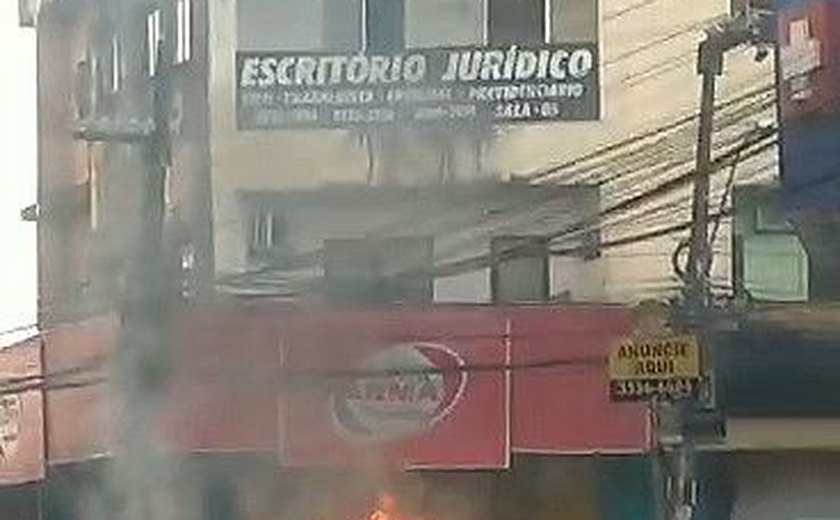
(216,164)
(388,26)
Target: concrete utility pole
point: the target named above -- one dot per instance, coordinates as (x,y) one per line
(678,458)
(142,359)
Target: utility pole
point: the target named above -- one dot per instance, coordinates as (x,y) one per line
(141,361)
(709,66)
(678,463)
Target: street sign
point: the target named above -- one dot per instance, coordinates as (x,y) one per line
(665,366)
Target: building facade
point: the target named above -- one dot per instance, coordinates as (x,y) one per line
(95,68)
(380,216)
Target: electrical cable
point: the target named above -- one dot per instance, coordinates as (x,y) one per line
(19,328)
(362,374)
(313,257)
(614,15)
(674,124)
(689,28)
(482,261)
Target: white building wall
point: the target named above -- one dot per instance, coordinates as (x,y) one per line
(648,79)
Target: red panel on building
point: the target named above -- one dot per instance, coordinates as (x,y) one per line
(223,393)
(21,415)
(319,387)
(78,408)
(345,405)
(221,396)
(809,58)
(564,406)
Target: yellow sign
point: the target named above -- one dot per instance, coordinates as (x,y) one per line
(655,358)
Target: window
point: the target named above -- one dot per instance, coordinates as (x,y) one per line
(520,269)
(267,231)
(154,37)
(343,25)
(221,499)
(350,271)
(406,264)
(737,7)
(83,89)
(183,43)
(768,219)
(385,270)
(518,21)
(384,25)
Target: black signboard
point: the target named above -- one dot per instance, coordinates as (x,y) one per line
(452,86)
(646,389)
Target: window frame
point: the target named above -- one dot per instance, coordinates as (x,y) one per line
(542,261)
(365,31)
(373,283)
(93,187)
(770,221)
(546,28)
(115,74)
(154,37)
(183,31)
(263,239)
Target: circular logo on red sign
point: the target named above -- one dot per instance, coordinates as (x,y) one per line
(405,389)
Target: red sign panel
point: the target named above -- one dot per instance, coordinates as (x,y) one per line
(347,404)
(21,415)
(809,58)
(321,387)
(79,413)
(561,400)
(222,395)
(223,390)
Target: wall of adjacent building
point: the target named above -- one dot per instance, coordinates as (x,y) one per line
(90,192)
(63,170)
(786,485)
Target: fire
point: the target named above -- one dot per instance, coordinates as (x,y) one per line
(388,508)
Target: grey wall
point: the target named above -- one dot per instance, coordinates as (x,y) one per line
(787,486)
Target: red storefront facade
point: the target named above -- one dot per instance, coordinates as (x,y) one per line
(21,415)
(320,387)
(310,403)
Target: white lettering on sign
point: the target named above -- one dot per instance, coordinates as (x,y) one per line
(516,65)
(331,70)
(461,66)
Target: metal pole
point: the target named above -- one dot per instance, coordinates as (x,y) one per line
(710,56)
(679,463)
